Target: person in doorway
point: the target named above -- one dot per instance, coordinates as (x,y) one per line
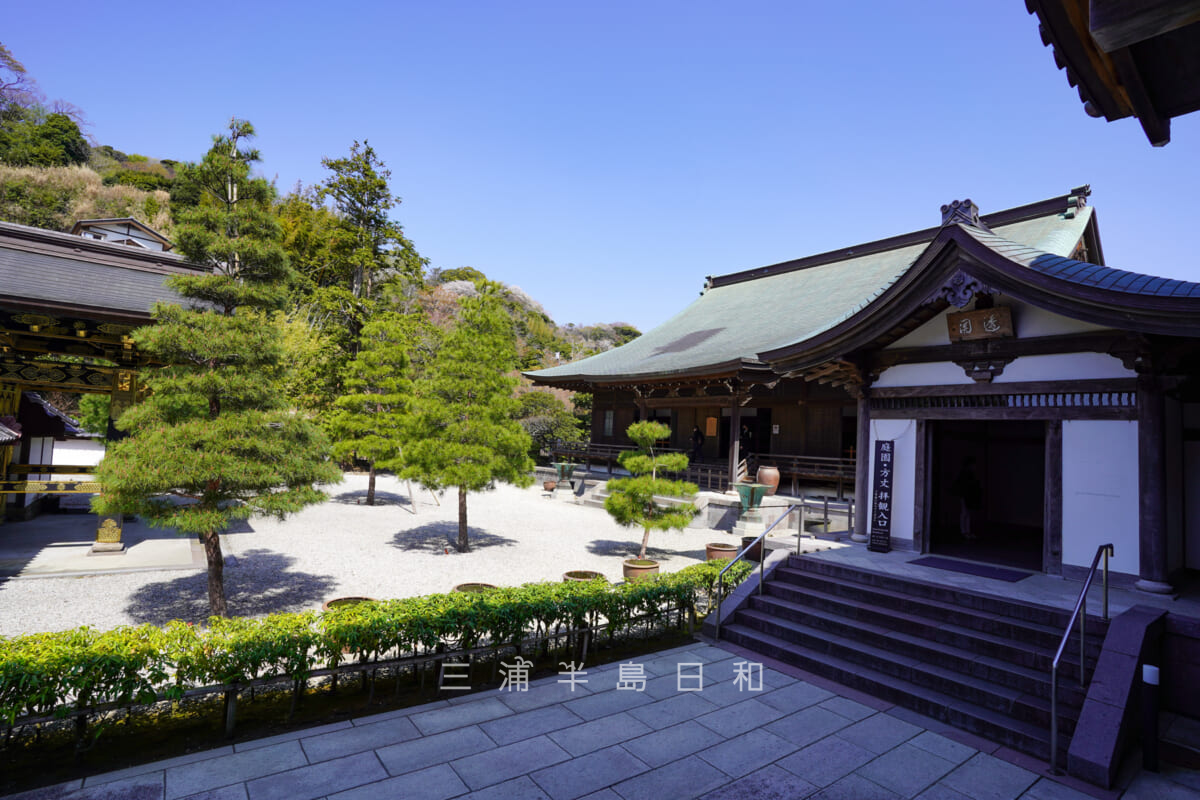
(697,442)
(745,440)
(970,495)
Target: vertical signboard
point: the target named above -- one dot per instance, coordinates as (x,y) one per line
(880,540)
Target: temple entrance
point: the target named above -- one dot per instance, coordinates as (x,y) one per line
(987,487)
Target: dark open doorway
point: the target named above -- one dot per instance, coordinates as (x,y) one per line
(988,491)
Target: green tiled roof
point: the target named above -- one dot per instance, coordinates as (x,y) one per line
(741,316)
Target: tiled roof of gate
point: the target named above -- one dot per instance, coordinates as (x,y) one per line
(55,268)
(748,313)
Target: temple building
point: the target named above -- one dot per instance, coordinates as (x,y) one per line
(993,389)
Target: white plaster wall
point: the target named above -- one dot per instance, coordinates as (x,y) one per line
(940,373)
(1064,367)
(1100,492)
(78,452)
(904,463)
(1028,321)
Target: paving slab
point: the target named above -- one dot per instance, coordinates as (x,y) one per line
(746,753)
(671,744)
(590,773)
(795,696)
(906,770)
(430,751)
(522,788)
(235,792)
(807,726)
(599,733)
(740,717)
(435,783)
(358,738)
(854,787)
(690,777)
(986,777)
(672,710)
(604,703)
(848,708)
(1149,786)
(1047,789)
(879,732)
(531,723)
(291,736)
(319,780)
(459,716)
(768,783)
(155,766)
(503,763)
(940,791)
(213,773)
(943,747)
(826,761)
(543,694)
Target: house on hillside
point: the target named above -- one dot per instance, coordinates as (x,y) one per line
(122,230)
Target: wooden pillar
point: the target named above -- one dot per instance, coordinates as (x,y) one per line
(735,430)
(1152,476)
(862,460)
(1052,500)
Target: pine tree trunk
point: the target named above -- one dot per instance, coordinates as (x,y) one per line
(371,486)
(216,573)
(645,541)
(463,545)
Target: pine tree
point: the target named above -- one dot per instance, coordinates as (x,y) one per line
(464,432)
(211,443)
(631,500)
(370,418)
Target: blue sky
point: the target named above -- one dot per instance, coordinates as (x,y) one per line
(607,156)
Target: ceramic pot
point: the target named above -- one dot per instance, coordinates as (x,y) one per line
(720,551)
(582,575)
(770,477)
(639,569)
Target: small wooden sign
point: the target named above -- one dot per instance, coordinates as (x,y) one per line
(986,323)
(880,539)
(710,426)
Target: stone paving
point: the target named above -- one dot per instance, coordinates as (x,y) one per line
(705,723)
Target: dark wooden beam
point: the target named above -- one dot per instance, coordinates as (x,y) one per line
(1101,385)
(1099,342)
(1154,123)
(1059,412)
(1115,24)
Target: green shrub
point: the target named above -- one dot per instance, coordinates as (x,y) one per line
(55,673)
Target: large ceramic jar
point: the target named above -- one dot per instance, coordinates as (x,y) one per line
(770,477)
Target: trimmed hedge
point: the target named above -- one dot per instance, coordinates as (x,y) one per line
(45,674)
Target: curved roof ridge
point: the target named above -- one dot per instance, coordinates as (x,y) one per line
(1083,273)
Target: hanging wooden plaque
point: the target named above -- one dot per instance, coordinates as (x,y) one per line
(986,323)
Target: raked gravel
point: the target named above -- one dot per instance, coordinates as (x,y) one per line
(400,547)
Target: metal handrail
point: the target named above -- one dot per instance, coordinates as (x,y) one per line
(1080,613)
(762,559)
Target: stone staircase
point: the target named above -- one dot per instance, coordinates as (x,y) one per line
(978,662)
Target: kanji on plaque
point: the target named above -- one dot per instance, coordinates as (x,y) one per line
(880,540)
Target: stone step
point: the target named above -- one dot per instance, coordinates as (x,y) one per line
(977,691)
(988,723)
(1035,625)
(1054,619)
(962,628)
(966,651)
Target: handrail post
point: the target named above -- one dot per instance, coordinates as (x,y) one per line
(720,587)
(803,522)
(1083,642)
(1107,553)
(1054,720)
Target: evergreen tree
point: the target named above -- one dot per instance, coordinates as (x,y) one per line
(369,419)
(631,500)
(212,443)
(465,434)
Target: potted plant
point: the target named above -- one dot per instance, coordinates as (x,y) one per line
(631,501)
(583,575)
(720,551)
